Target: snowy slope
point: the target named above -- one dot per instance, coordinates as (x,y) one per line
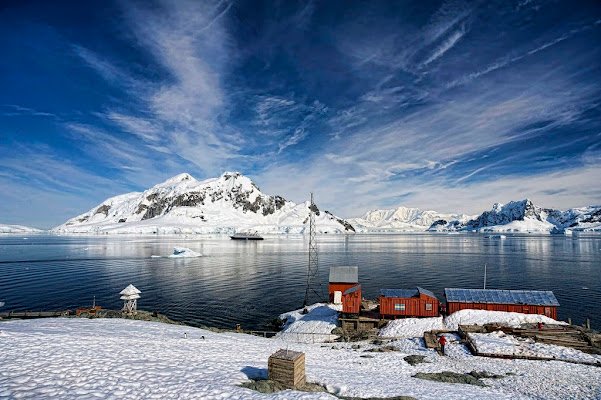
(402,219)
(524,216)
(182,204)
(18,229)
(315,326)
(123,359)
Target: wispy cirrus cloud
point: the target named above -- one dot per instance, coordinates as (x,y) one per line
(376,104)
(14,110)
(178,113)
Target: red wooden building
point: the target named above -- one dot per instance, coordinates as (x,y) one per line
(341,279)
(522,301)
(351,300)
(416,302)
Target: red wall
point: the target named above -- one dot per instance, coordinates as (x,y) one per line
(414,306)
(520,308)
(333,287)
(351,303)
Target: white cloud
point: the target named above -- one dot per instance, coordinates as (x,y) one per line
(188,43)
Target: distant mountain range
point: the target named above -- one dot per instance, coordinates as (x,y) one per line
(515,216)
(403,219)
(227,204)
(18,229)
(233,203)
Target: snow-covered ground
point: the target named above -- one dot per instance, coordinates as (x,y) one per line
(481,317)
(113,358)
(18,229)
(503,344)
(415,327)
(411,327)
(313,327)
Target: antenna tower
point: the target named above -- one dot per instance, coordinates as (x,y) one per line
(313,284)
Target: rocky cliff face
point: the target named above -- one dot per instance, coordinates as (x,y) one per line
(525,216)
(182,204)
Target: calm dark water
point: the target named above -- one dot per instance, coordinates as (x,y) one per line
(252,282)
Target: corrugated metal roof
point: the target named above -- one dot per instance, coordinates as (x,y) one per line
(344,274)
(426,292)
(406,293)
(496,296)
(352,290)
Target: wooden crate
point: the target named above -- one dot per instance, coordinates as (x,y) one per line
(288,368)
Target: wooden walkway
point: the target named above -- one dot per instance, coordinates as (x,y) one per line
(33,314)
(560,335)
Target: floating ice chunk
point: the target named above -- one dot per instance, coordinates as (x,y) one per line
(184,252)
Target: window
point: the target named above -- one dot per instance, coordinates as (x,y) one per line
(428,306)
(399,307)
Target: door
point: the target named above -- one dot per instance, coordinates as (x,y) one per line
(548,312)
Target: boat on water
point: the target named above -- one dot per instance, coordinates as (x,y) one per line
(246,236)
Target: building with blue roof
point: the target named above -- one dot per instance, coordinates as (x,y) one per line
(522,301)
(417,302)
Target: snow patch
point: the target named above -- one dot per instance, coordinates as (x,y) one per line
(411,327)
(502,344)
(314,326)
(481,317)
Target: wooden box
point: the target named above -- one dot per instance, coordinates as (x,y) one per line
(288,368)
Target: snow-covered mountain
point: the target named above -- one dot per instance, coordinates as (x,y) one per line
(18,229)
(515,216)
(182,204)
(524,216)
(403,219)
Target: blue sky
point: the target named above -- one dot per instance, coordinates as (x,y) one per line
(449,105)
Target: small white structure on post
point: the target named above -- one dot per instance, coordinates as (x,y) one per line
(130,296)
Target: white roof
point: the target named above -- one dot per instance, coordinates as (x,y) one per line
(131,289)
(130,297)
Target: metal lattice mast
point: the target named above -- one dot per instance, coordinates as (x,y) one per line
(313,284)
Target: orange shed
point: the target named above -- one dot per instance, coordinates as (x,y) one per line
(341,279)
(521,301)
(351,300)
(416,302)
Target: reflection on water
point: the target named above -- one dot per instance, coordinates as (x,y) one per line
(252,282)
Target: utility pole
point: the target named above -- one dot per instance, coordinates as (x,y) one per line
(484,275)
(313,284)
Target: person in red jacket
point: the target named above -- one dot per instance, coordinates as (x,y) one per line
(442,340)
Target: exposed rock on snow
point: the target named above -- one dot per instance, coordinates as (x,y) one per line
(184,252)
(515,216)
(481,317)
(182,204)
(524,216)
(18,229)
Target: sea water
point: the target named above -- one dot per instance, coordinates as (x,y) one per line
(252,282)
